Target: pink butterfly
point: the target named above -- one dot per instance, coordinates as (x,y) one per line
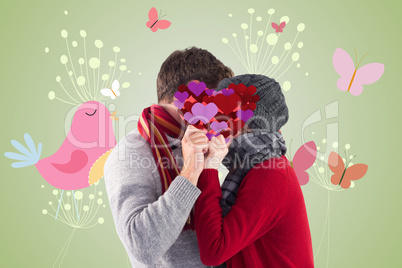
(155,22)
(352,79)
(304,158)
(278,28)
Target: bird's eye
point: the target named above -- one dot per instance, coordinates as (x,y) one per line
(91,114)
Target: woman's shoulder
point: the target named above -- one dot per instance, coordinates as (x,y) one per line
(268,175)
(273,165)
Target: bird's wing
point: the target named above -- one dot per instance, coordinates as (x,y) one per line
(78,161)
(96,171)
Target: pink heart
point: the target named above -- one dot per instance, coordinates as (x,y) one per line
(245,115)
(181,96)
(209,91)
(179,104)
(189,117)
(197,89)
(204,113)
(227,91)
(210,135)
(218,127)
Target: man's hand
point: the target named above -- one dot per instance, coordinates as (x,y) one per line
(194,145)
(217,151)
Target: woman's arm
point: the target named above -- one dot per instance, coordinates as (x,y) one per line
(260,203)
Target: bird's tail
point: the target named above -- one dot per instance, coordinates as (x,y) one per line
(28,156)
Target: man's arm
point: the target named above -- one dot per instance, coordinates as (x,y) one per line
(259,205)
(147,225)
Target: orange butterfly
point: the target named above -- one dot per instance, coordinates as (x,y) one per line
(343,176)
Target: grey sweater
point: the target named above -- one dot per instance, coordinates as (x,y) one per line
(148,223)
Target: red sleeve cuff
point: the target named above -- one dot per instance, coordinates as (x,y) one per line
(208,178)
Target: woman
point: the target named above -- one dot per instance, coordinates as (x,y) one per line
(258,218)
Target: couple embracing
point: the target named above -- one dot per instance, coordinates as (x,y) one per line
(162,181)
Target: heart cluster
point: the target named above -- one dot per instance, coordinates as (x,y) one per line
(218,112)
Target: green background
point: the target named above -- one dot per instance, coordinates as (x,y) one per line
(364,221)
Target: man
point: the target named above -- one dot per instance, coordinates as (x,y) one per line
(151,191)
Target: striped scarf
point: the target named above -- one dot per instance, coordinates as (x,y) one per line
(154,124)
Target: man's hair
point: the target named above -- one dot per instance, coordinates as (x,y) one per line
(192,63)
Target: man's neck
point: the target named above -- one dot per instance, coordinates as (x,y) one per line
(173,111)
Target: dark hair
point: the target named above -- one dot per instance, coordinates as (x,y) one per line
(192,63)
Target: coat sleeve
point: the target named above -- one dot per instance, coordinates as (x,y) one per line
(260,203)
(147,225)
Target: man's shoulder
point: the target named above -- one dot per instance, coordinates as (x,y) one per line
(134,142)
(132,146)
(135,139)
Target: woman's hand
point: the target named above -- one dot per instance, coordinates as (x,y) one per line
(217,151)
(194,145)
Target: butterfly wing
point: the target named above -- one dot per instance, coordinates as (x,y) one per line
(344,66)
(353,173)
(337,166)
(115,85)
(152,16)
(304,158)
(154,28)
(106,92)
(162,24)
(275,26)
(366,75)
(282,25)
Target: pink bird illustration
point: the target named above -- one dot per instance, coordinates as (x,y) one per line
(79,161)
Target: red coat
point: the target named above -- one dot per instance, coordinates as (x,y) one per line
(266,227)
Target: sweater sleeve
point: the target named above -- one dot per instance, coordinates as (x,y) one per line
(260,203)
(147,225)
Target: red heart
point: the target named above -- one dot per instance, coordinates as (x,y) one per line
(208,99)
(251,90)
(187,106)
(245,99)
(255,98)
(241,89)
(226,133)
(183,88)
(199,125)
(248,106)
(225,117)
(227,104)
(235,125)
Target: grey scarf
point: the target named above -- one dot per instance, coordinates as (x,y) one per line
(246,151)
